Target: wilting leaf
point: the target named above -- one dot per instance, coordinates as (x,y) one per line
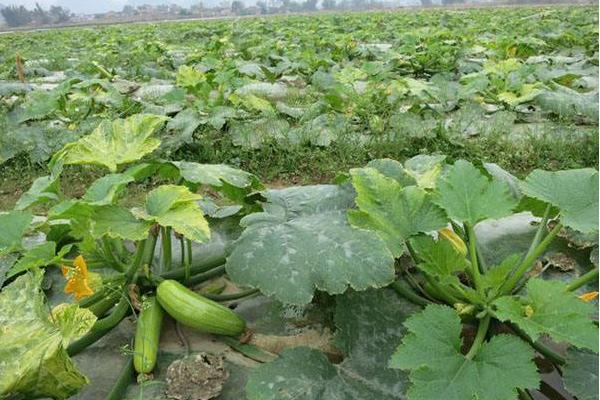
(175,206)
(438,369)
(574,192)
(33,357)
(303,373)
(113,144)
(302,242)
(550,309)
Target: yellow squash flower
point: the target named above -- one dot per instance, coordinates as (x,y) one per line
(453,238)
(77,279)
(589,296)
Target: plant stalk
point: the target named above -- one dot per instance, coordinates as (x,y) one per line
(539,233)
(232,296)
(475,274)
(479,337)
(530,259)
(125,378)
(405,291)
(539,347)
(589,276)
(167,253)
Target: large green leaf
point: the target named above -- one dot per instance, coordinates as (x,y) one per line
(438,369)
(302,242)
(38,256)
(118,222)
(369,325)
(176,207)
(580,374)
(550,309)
(114,143)
(438,258)
(33,356)
(216,175)
(574,192)
(395,213)
(43,189)
(469,196)
(13,226)
(106,189)
(425,169)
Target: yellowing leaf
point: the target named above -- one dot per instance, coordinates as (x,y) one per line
(589,296)
(449,235)
(77,279)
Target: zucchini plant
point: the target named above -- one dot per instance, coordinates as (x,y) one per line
(422,308)
(123,254)
(413,227)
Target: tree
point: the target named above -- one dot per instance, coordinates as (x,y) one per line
(59,14)
(40,15)
(329,4)
(237,6)
(309,5)
(262,6)
(16,16)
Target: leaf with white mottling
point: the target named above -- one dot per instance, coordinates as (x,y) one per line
(369,325)
(580,374)
(13,226)
(302,242)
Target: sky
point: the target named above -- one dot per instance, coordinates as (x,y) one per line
(95,6)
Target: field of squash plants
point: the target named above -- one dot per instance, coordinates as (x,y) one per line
(431,277)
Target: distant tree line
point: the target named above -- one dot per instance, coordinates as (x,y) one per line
(19,15)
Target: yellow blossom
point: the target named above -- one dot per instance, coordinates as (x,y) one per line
(77,279)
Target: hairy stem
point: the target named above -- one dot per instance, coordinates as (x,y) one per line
(479,337)
(123,380)
(232,296)
(405,291)
(475,274)
(530,259)
(539,233)
(589,276)
(167,256)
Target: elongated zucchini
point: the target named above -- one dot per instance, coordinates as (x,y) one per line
(196,311)
(147,335)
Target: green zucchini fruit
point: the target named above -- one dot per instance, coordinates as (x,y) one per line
(195,311)
(147,336)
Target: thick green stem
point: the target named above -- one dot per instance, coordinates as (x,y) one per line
(442,292)
(150,247)
(179,273)
(539,233)
(195,279)
(167,253)
(404,290)
(530,259)
(589,276)
(479,337)
(182,251)
(125,378)
(100,328)
(188,263)
(112,258)
(101,307)
(475,274)
(231,296)
(524,395)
